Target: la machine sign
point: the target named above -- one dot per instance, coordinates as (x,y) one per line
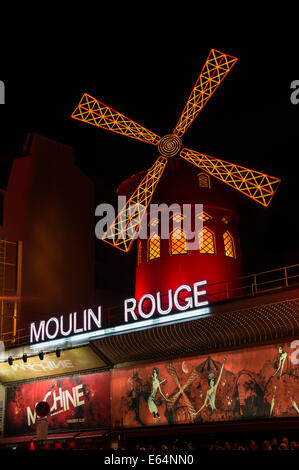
(186,302)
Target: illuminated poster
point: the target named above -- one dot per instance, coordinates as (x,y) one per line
(256,383)
(72,360)
(77,402)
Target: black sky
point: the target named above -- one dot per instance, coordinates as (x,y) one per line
(144,64)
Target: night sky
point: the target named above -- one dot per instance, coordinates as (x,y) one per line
(144,65)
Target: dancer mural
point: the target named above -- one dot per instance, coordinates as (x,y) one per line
(152,402)
(211,393)
(256,383)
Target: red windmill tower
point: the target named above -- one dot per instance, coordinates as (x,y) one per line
(167,263)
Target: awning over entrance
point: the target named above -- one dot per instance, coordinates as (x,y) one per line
(230,325)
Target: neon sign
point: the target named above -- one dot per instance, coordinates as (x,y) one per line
(54,327)
(88,325)
(131,305)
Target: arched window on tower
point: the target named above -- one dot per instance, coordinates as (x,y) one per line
(225,220)
(205,217)
(229,245)
(207,245)
(204,180)
(178,242)
(153,250)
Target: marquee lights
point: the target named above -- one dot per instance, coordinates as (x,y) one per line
(136,317)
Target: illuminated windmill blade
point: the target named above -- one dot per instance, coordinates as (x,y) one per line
(214,71)
(98,114)
(123,231)
(258,186)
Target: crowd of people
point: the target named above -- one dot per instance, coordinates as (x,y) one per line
(273,444)
(192,443)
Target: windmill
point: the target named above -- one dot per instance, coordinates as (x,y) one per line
(253,184)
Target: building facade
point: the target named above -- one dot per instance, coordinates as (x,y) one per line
(201,347)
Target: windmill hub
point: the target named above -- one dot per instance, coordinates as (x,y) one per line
(169,145)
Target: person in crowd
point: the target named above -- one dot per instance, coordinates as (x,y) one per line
(227,446)
(241,447)
(252,445)
(282,446)
(285,441)
(266,445)
(274,443)
(293,445)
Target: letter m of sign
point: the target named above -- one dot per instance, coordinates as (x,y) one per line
(37,335)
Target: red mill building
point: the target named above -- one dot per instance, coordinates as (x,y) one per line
(222,358)
(219,257)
